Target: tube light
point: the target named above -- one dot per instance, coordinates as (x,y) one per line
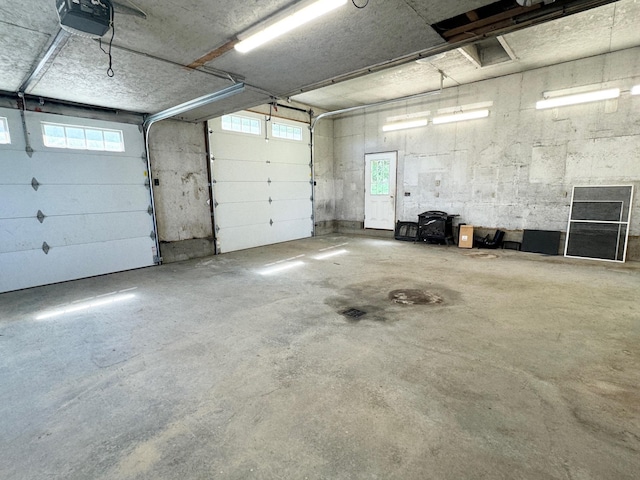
(392,127)
(578,98)
(635,90)
(289,23)
(458,117)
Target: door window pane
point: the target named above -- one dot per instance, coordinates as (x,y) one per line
(4,131)
(94,139)
(113,141)
(54,136)
(81,138)
(75,138)
(380,177)
(236,123)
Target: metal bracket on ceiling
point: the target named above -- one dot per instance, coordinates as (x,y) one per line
(50,53)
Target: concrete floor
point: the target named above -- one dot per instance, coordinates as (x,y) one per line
(231,368)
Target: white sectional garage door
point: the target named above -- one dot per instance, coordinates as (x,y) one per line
(262,190)
(68,213)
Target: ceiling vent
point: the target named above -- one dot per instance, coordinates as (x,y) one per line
(87,18)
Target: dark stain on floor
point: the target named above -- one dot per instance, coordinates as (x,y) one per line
(385,300)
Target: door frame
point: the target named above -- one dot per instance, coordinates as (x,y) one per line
(393,186)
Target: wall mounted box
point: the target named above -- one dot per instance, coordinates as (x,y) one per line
(465,238)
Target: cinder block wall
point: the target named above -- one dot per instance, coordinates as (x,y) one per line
(178,162)
(514,170)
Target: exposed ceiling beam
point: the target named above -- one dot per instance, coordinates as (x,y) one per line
(213,54)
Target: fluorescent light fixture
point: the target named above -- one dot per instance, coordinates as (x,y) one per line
(289,23)
(392,127)
(635,90)
(334,253)
(578,98)
(85,306)
(458,117)
(283,267)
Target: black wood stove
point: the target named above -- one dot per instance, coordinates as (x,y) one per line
(435,227)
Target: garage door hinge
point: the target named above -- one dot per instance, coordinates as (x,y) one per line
(270,200)
(152,235)
(269,181)
(213,182)
(35,184)
(215,205)
(143,157)
(271,222)
(311,198)
(157,260)
(150,210)
(40,216)
(312,217)
(217,229)
(45,248)
(147,183)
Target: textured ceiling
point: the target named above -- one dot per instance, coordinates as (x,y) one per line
(604,29)
(150,56)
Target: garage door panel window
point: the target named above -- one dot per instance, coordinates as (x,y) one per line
(288,132)
(237,123)
(81,138)
(5,138)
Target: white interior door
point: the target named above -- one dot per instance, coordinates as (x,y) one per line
(262,189)
(380,190)
(73,211)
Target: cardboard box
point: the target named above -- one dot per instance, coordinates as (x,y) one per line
(465,238)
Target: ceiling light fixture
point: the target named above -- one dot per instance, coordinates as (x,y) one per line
(595,96)
(392,127)
(458,117)
(289,23)
(635,90)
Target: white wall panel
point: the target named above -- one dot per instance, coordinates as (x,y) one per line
(24,201)
(262,190)
(72,262)
(95,206)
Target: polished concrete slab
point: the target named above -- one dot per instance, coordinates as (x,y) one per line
(467,364)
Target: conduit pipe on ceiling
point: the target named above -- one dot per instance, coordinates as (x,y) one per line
(314,122)
(172,112)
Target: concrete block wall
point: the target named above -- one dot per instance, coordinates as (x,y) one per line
(514,170)
(324,191)
(178,162)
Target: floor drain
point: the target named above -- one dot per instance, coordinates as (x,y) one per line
(353,313)
(415,297)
